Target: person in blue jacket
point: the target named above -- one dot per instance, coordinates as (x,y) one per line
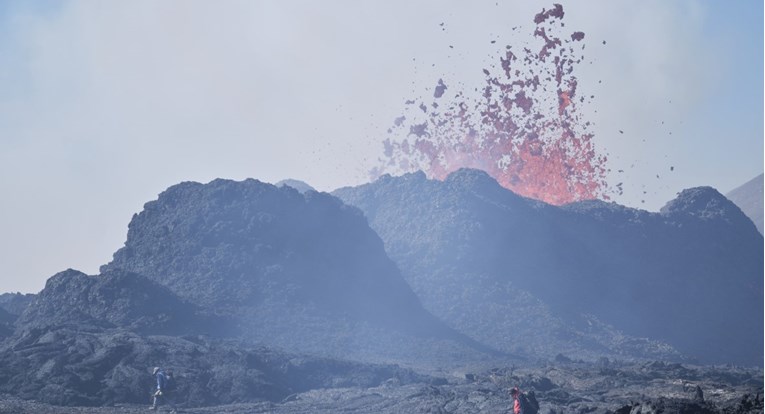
(163,393)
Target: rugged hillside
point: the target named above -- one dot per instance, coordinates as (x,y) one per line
(116,299)
(749,198)
(683,275)
(300,271)
(591,277)
(92,340)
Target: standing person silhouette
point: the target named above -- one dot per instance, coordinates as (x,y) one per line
(163,393)
(522,404)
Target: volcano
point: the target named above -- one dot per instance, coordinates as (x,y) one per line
(482,256)
(525,128)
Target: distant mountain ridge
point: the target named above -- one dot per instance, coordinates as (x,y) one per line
(749,197)
(467,242)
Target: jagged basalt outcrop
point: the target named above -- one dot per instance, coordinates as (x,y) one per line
(704,203)
(591,278)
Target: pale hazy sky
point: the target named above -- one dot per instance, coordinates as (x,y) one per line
(103,105)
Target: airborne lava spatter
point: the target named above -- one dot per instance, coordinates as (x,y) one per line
(524,129)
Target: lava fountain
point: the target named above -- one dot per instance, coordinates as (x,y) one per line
(523,127)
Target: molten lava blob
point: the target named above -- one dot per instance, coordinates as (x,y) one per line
(524,128)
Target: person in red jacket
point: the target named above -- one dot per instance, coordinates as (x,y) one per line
(515,393)
(523,404)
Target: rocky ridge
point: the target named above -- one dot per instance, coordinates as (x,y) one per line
(592,277)
(303,272)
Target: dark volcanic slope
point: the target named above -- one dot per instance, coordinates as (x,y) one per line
(115,299)
(92,340)
(301,271)
(749,198)
(681,276)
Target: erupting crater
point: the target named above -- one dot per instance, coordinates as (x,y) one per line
(523,127)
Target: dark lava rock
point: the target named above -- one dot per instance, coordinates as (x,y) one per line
(706,203)
(227,244)
(115,299)
(578,387)
(69,367)
(300,271)
(590,279)
(92,340)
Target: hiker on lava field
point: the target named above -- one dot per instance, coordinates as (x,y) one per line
(165,389)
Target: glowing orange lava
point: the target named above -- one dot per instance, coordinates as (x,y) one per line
(525,129)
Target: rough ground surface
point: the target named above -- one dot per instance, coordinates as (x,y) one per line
(562,386)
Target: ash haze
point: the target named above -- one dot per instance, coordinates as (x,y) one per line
(103,105)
